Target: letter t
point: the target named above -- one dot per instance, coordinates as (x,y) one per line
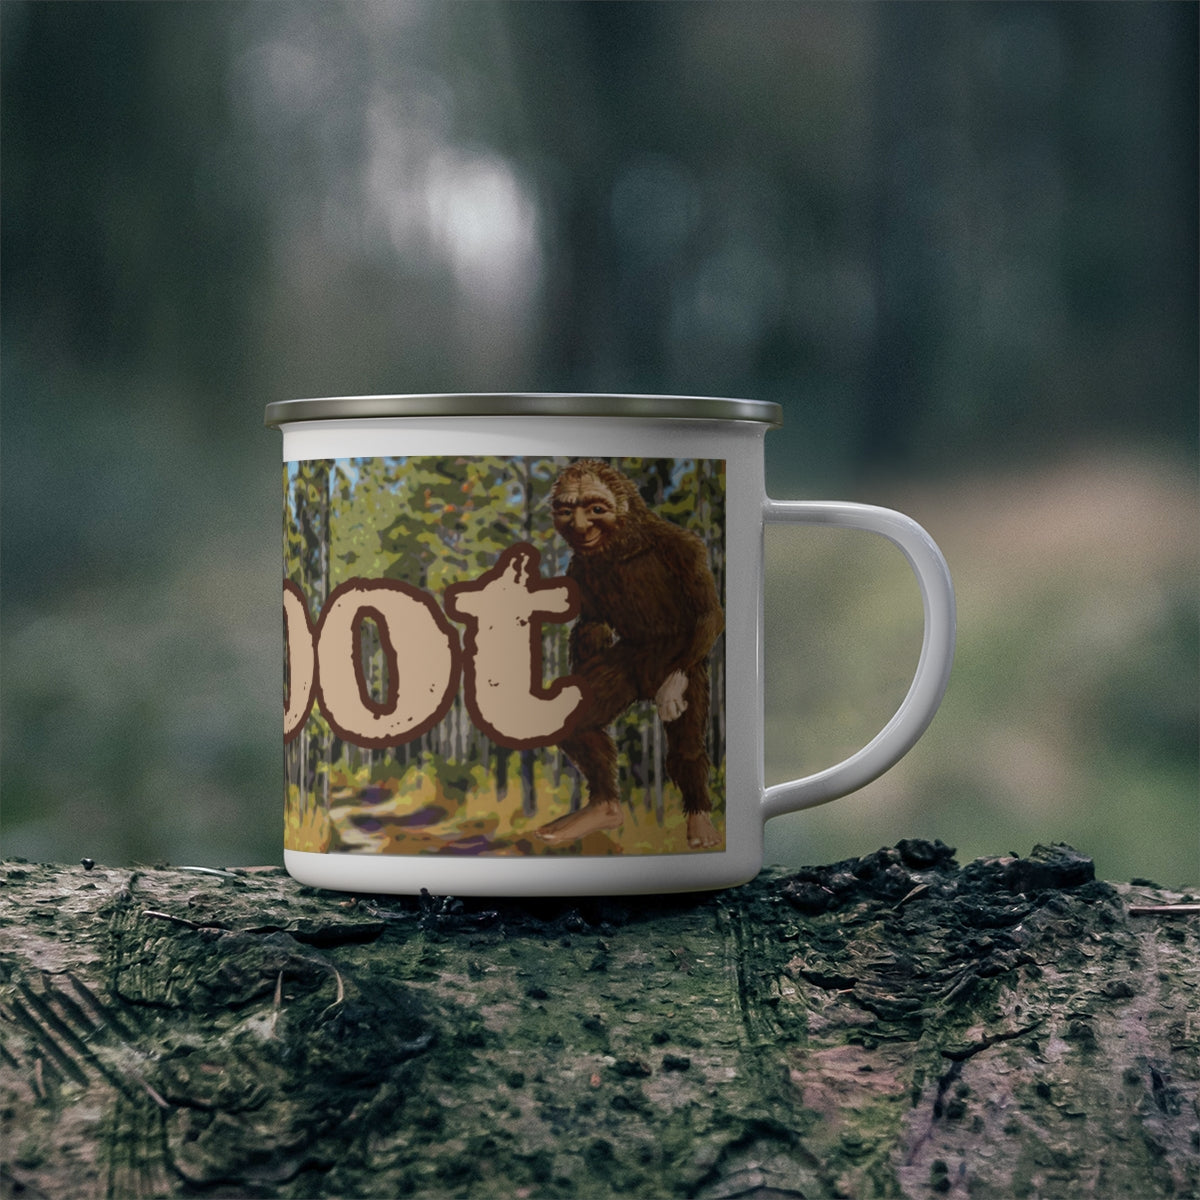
(504,610)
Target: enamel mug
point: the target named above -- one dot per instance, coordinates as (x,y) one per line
(524,648)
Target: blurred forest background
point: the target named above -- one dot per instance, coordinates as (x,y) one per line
(957,242)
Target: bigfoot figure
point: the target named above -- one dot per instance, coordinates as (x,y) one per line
(649,615)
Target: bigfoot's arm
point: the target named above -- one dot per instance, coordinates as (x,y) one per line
(669,699)
(700,619)
(590,635)
(589,638)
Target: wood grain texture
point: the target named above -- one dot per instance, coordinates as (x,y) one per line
(895,1025)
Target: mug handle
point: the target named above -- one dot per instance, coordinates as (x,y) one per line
(925,693)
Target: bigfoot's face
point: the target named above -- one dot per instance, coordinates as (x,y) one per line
(586,513)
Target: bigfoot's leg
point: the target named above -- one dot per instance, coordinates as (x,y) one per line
(593,751)
(687,760)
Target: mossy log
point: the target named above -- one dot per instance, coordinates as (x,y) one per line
(895,1025)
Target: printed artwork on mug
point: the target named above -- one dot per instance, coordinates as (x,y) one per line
(504,656)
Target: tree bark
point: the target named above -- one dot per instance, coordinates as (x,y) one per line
(894,1025)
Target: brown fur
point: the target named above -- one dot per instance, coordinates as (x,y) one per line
(620,485)
(648,607)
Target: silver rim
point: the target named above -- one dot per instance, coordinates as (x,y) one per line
(523,404)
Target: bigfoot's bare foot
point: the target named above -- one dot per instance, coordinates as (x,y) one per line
(593,816)
(701,831)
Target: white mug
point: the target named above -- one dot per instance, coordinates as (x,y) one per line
(524,647)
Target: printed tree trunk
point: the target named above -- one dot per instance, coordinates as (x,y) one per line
(889,1026)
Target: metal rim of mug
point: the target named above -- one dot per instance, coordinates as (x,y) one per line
(522,404)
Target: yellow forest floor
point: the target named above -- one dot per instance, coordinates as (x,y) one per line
(413,814)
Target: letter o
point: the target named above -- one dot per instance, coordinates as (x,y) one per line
(301,661)
(423,662)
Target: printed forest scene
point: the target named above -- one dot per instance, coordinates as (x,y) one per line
(620,565)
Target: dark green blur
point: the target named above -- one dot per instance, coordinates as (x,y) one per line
(957,242)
